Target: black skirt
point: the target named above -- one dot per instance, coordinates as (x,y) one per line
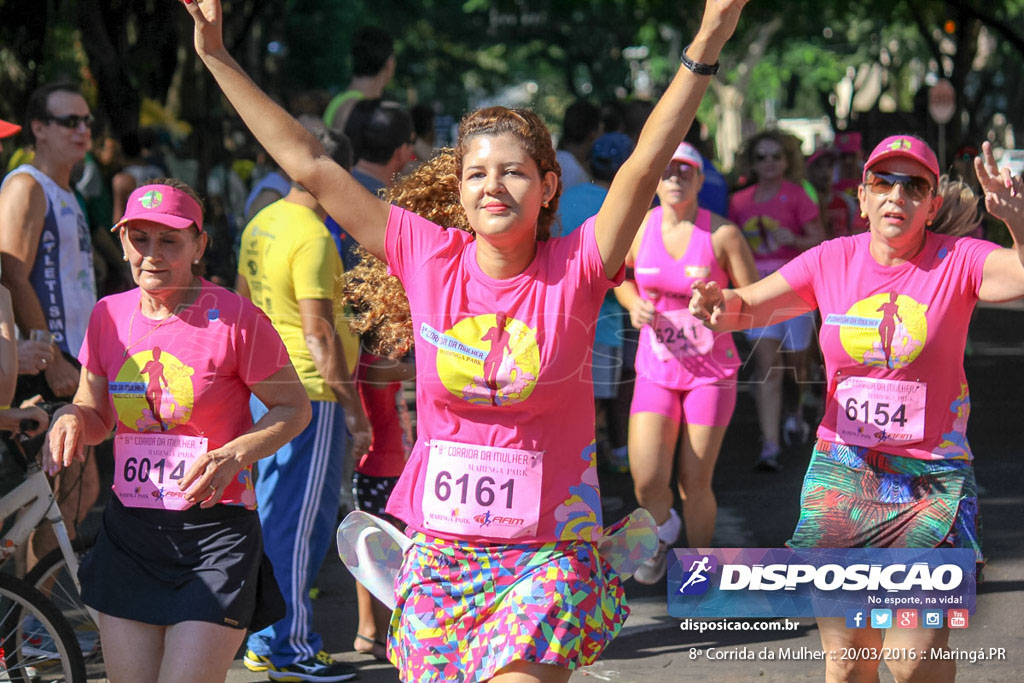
(163,567)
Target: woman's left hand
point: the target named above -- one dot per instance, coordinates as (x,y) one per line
(210,474)
(1004,193)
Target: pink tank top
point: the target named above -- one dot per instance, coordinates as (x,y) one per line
(676,350)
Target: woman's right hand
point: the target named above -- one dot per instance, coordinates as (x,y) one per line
(209,32)
(707,302)
(64,441)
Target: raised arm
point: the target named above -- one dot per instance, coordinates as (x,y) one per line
(1003,276)
(633,188)
(299,154)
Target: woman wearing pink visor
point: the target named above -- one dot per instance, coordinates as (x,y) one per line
(685,374)
(178,572)
(892,466)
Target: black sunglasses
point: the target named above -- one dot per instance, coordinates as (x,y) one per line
(71,120)
(916,187)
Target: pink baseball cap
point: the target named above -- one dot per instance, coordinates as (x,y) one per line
(7,129)
(689,155)
(821,153)
(162,204)
(906,147)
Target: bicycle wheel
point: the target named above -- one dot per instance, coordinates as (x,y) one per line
(36,642)
(50,576)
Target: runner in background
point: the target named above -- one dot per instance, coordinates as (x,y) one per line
(780,221)
(518,560)
(892,466)
(685,374)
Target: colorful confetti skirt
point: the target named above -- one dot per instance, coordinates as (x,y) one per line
(855,497)
(466,611)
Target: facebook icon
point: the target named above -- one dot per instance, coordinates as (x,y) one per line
(856,618)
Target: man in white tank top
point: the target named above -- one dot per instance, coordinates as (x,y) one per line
(46,255)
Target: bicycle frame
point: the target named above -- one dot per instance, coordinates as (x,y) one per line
(34,497)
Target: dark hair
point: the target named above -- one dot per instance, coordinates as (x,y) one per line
(371,48)
(536,139)
(423,121)
(376,129)
(582,119)
(38,104)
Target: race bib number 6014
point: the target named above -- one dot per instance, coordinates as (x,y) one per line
(482,490)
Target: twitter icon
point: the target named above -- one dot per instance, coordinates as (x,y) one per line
(881,618)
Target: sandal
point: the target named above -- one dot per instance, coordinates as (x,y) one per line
(378,650)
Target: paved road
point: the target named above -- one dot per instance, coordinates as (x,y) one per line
(759,510)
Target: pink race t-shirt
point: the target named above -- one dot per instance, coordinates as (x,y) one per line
(187,375)
(790,208)
(505,416)
(893,340)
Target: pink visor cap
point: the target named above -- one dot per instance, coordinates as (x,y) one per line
(162,204)
(689,155)
(906,147)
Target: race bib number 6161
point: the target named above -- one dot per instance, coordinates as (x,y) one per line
(482,490)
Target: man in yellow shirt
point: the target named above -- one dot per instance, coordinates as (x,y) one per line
(289,267)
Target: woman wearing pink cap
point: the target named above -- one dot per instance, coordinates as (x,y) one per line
(685,373)
(178,572)
(892,466)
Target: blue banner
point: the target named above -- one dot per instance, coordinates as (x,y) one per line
(820,582)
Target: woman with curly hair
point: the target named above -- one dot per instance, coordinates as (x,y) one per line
(380,315)
(780,221)
(502,579)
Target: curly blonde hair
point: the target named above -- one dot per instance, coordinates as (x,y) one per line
(379,308)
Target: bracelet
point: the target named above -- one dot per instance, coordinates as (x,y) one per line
(697,67)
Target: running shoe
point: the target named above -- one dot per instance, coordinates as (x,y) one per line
(321,667)
(652,571)
(255,662)
(768,461)
(795,431)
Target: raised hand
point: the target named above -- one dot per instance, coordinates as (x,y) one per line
(1004,194)
(209,33)
(720,17)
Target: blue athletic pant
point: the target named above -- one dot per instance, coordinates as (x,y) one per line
(298,491)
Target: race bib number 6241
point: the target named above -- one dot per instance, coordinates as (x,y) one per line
(482,490)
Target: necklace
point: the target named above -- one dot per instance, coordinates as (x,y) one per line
(131,325)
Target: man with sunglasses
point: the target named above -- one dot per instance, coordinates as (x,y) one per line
(46,256)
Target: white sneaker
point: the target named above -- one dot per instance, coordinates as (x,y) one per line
(653,570)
